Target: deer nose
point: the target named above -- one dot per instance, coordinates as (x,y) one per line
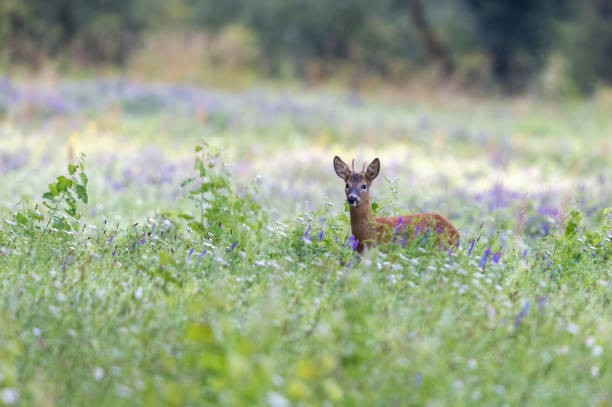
(352,199)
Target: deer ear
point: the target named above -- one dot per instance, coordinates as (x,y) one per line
(341,168)
(373,168)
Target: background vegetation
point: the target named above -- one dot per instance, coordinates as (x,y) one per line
(563,46)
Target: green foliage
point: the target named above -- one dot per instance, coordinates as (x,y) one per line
(61,199)
(312,36)
(63,212)
(224,215)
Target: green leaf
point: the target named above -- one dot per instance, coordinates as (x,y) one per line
(198,148)
(83,178)
(72,168)
(63,183)
(81,193)
(53,189)
(21,218)
(374,207)
(48,195)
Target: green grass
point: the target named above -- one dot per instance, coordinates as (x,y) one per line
(125,309)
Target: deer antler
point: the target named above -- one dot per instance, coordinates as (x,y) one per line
(353,165)
(363,168)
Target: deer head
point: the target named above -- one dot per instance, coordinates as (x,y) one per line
(358,184)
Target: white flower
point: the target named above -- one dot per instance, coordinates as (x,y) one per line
(9,396)
(597,350)
(36,331)
(61,297)
(276,400)
(590,341)
(499,389)
(138,293)
(572,328)
(472,363)
(123,391)
(98,373)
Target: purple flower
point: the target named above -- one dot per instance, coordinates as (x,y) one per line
(525,253)
(400,224)
(114,253)
(403,242)
(189,255)
(321,236)
(542,302)
(472,246)
(485,257)
(200,257)
(307,231)
(417,230)
(355,244)
(440,229)
(351,240)
(496,257)
(234,246)
(350,265)
(110,241)
(522,314)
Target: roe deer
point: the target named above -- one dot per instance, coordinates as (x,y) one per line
(368,229)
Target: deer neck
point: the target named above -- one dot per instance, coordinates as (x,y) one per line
(362,221)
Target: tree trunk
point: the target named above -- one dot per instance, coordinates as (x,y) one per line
(434,46)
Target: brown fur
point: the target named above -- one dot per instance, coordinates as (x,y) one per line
(368,229)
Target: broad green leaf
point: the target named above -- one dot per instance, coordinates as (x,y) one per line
(84,179)
(63,183)
(81,193)
(53,189)
(72,168)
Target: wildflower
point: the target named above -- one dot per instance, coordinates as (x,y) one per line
(189,255)
(355,244)
(485,257)
(114,252)
(440,229)
(138,293)
(234,246)
(472,246)
(572,328)
(522,314)
(98,373)
(400,225)
(417,230)
(200,257)
(320,236)
(597,350)
(402,242)
(496,257)
(307,231)
(525,253)
(542,302)
(9,396)
(110,241)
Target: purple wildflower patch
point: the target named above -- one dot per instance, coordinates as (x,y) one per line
(485,257)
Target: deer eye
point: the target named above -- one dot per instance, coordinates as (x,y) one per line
(346,186)
(364,186)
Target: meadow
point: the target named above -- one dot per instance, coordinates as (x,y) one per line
(178,245)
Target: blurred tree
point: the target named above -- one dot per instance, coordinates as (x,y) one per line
(435,47)
(516,35)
